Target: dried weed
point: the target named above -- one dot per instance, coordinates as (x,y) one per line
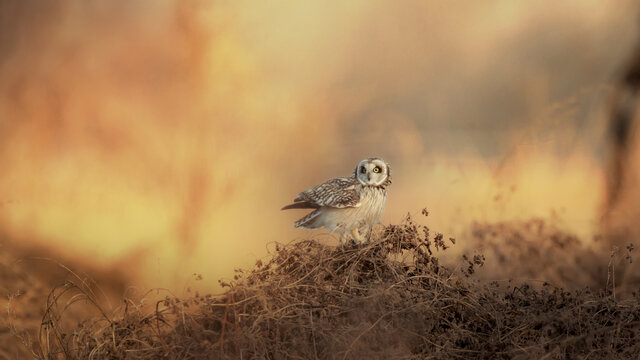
(389,298)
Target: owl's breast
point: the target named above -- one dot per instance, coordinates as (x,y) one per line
(373,199)
(372,203)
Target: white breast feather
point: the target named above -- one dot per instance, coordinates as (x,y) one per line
(368,213)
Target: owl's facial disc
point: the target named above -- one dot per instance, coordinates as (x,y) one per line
(372,172)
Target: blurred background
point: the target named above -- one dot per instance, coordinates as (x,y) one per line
(151,140)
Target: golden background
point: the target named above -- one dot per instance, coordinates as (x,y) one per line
(161,138)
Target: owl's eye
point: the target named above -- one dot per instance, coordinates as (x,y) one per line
(376,169)
(363,170)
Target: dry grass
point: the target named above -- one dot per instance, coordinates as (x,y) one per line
(390,298)
(27,275)
(537,251)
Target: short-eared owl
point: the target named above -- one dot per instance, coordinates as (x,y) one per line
(349,203)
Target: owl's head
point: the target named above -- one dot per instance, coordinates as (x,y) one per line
(373,172)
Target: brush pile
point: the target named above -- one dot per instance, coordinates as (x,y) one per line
(389,298)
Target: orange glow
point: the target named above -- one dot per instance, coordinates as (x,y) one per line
(172,139)
(458,192)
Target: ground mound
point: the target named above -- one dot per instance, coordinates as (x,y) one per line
(389,298)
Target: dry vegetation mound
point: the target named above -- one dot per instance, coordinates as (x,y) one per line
(386,299)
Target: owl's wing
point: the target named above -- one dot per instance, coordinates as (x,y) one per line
(337,193)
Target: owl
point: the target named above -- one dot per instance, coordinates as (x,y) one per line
(347,204)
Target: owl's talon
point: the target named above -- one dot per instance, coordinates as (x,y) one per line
(355,236)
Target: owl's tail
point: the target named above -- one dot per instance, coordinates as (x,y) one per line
(309,221)
(301,205)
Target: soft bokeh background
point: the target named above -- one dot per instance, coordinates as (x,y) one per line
(161,138)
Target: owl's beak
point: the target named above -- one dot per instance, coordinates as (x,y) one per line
(368,177)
